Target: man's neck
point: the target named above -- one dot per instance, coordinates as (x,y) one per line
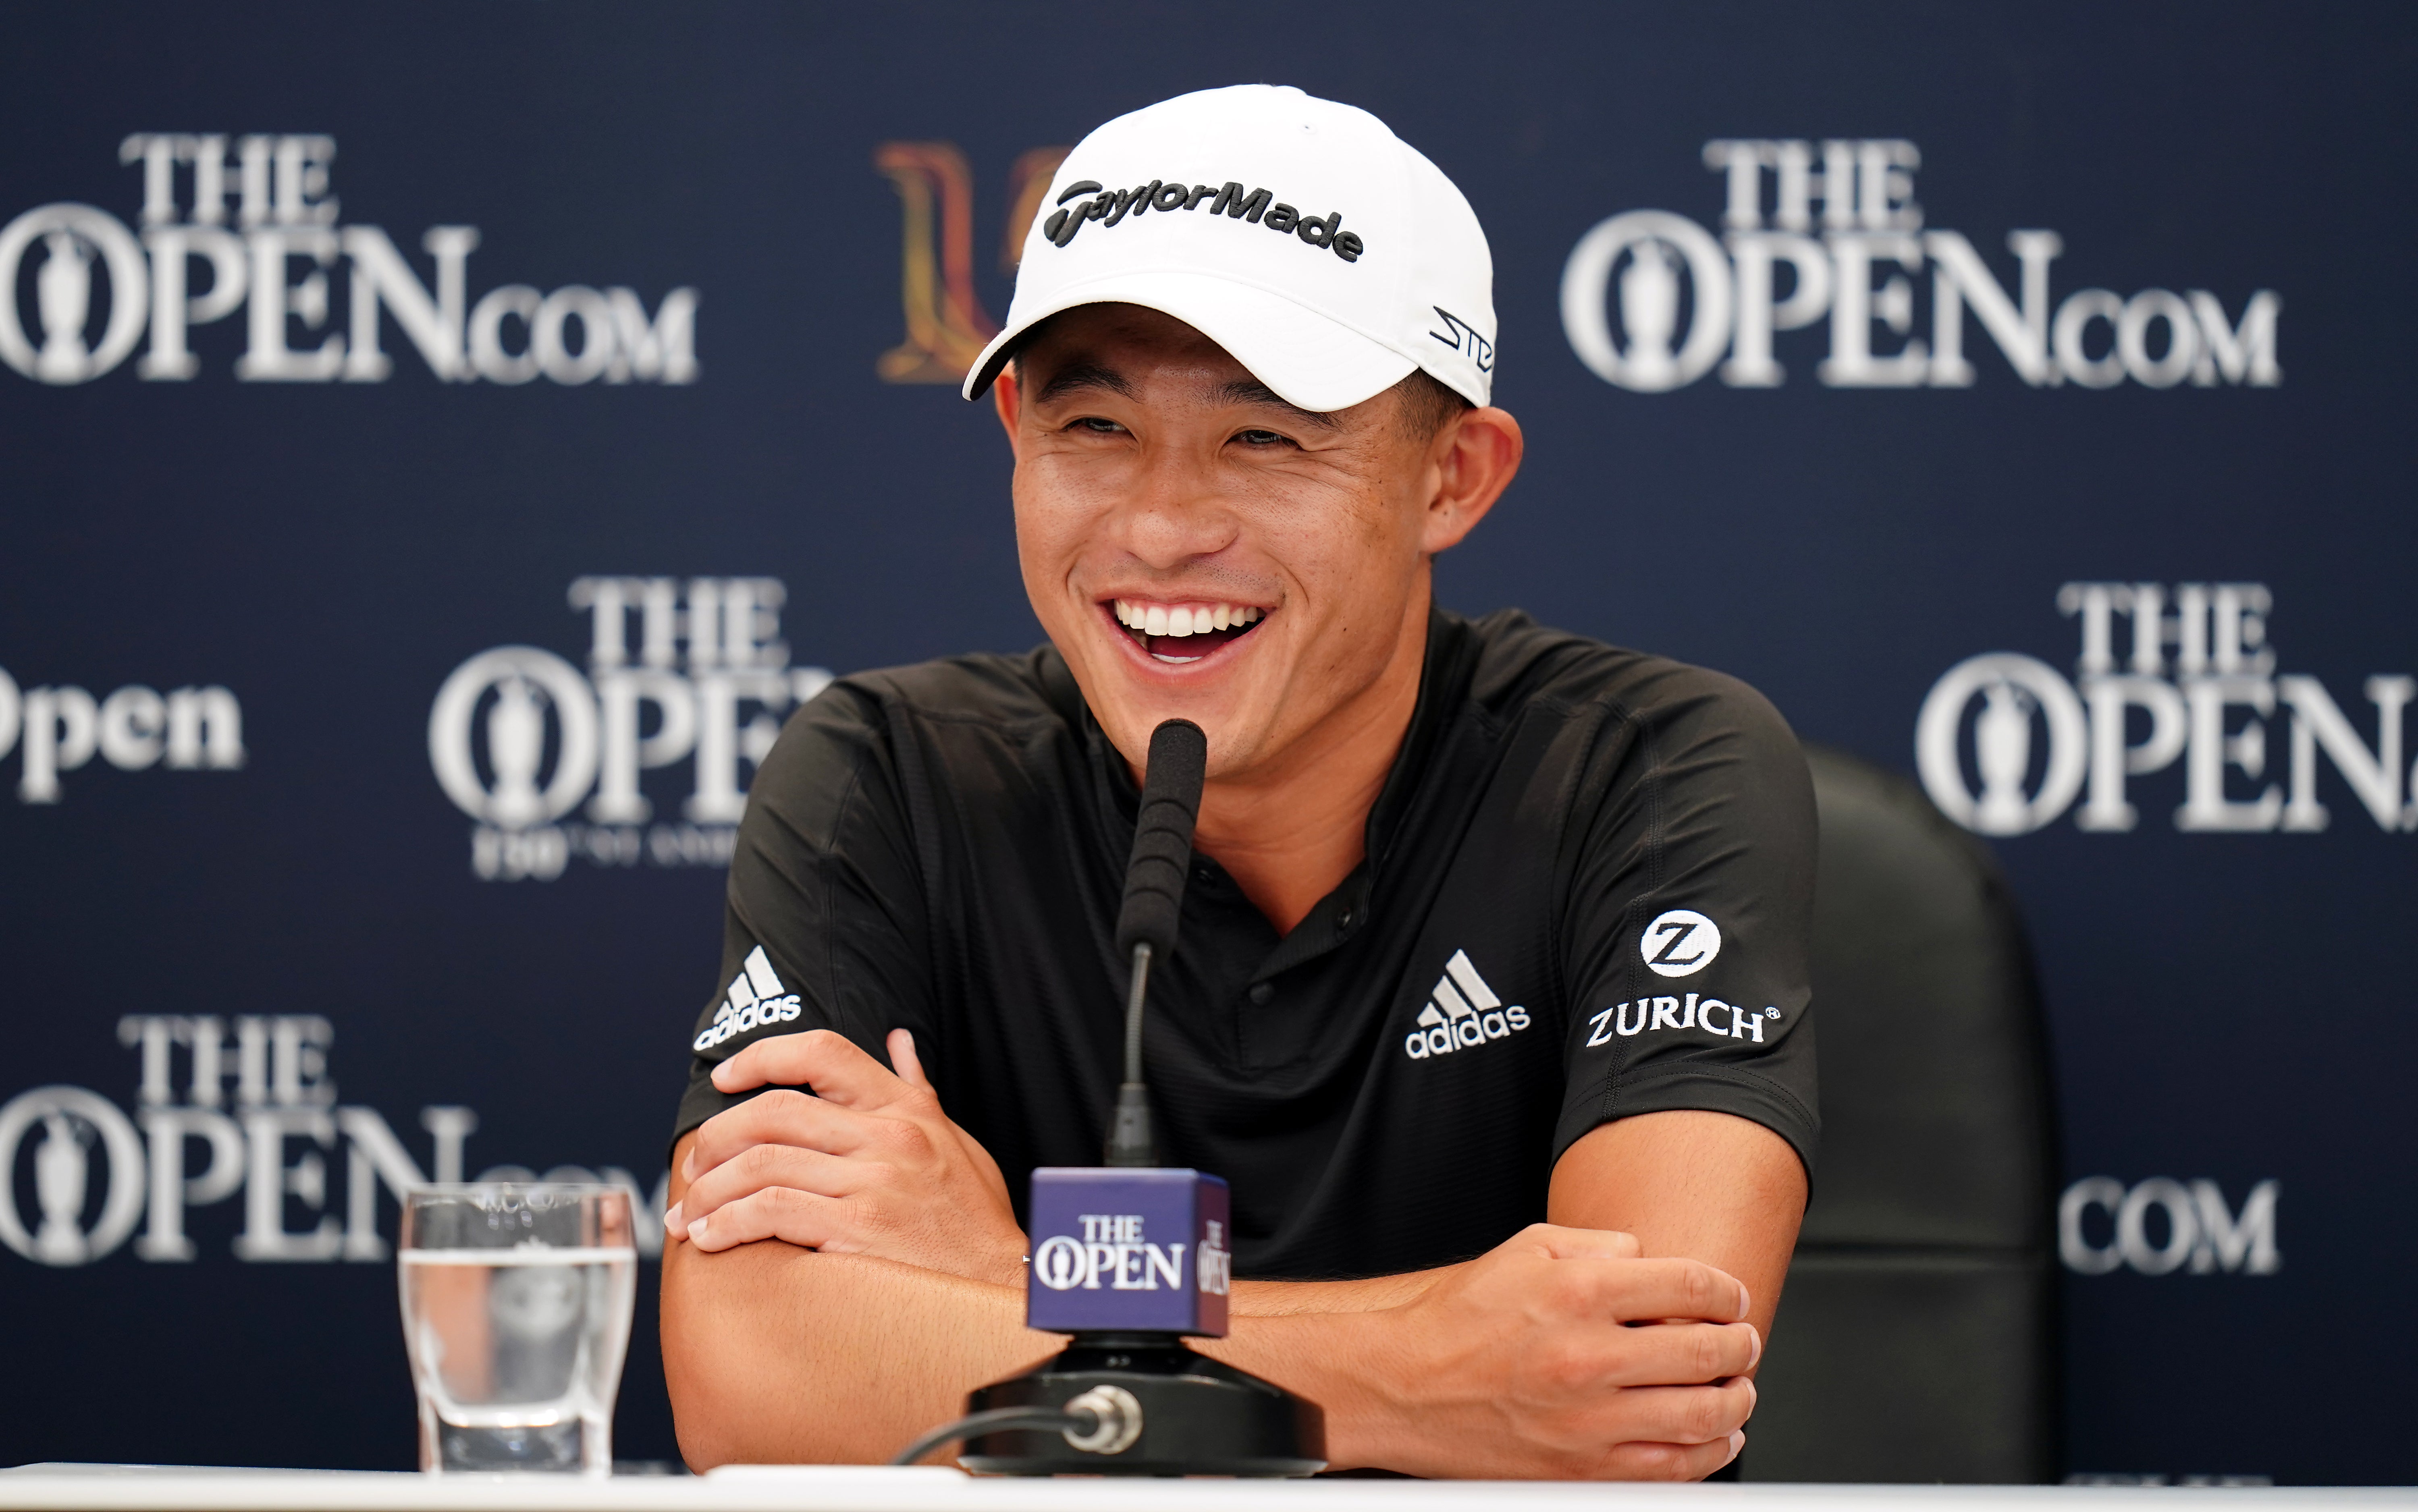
(1291,831)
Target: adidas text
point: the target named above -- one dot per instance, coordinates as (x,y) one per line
(1461,1011)
(754,999)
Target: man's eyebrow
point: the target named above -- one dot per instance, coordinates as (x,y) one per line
(1077,376)
(1252,392)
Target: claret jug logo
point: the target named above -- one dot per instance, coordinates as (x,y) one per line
(519,738)
(2006,744)
(220,233)
(1652,301)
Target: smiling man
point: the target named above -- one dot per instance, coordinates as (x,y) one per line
(1492,1002)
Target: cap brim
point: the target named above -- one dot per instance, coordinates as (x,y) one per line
(1310,359)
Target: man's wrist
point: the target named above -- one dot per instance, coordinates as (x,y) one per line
(1348,1363)
(1013,1267)
(1278,1299)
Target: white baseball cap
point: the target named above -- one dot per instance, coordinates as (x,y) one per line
(1318,248)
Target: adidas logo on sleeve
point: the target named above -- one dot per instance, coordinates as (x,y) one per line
(754,999)
(1462,1012)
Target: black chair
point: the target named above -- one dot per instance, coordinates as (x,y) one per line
(1917,1337)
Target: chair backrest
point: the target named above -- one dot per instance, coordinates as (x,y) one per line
(1917,1339)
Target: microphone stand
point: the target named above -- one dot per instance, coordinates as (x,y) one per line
(1141,1401)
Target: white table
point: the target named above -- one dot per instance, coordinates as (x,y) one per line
(59,1488)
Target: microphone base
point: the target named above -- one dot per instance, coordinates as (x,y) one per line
(1199,1416)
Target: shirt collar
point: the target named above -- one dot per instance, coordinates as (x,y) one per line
(1444,678)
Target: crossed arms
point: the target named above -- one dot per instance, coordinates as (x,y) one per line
(842,1266)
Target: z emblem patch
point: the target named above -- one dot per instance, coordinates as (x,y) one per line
(1681,942)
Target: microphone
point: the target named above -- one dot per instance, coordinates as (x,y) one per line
(1131,1259)
(1153,907)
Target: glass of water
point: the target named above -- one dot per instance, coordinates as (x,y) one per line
(516,1300)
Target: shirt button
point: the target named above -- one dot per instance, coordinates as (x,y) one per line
(1343,920)
(1262,992)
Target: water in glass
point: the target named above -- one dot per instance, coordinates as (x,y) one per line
(516,1302)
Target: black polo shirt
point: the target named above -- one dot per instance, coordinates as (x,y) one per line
(1586,896)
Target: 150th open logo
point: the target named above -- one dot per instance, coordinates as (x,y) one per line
(691,672)
(248,223)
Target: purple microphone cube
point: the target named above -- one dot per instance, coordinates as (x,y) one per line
(1128,1249)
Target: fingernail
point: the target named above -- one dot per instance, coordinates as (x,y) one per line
(1738,1441)
(672,1218)
(1757,1356)
(1745,1301)
(696,1232)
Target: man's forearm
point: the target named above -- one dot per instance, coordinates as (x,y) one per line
(780,1355)
(771,1320)
(777,1354)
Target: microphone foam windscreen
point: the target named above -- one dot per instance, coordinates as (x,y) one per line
(1162,846)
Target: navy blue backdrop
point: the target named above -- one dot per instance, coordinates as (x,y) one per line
(440,444)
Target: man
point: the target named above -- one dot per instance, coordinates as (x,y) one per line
(1491,998)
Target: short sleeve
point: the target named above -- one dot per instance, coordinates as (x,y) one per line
(1686,924)
(825,923)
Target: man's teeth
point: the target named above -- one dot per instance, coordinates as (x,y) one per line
(1184,618)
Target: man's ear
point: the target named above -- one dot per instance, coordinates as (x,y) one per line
(1009,399)
(1474,455)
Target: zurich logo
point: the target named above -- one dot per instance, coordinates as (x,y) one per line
(1681,942)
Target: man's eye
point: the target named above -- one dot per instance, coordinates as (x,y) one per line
(1097,426)
(1260,438)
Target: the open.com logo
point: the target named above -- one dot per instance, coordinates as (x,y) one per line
(257,233)
(1828,234)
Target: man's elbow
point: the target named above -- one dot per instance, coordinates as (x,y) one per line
(719,1339)
(695,1363)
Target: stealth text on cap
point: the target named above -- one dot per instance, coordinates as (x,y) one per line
(1111,206)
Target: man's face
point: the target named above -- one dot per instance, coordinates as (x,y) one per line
(1196,547)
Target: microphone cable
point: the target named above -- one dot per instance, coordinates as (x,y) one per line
(1074,1422)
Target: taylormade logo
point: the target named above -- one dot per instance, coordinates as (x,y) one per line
(1461,1011)
(1111,206)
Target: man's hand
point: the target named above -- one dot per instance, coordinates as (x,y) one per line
(1559,1354)
(866,1165)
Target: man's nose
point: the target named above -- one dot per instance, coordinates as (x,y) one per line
(1175,513)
